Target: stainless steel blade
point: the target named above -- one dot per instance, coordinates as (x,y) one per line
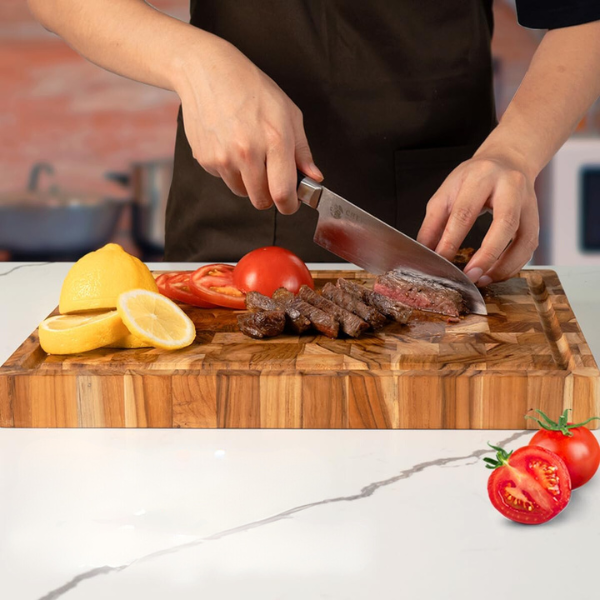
(360,238)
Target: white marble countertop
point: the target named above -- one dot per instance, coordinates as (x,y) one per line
(226,514)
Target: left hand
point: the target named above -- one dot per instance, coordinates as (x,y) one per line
(493,183)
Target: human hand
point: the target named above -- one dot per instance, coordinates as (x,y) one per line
(493,183)
(243,128)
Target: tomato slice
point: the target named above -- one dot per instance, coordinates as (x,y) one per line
(214,283)
(161,282)
(178,288)
(531,485)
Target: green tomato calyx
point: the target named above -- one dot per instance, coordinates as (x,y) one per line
(563,426)
(501,459)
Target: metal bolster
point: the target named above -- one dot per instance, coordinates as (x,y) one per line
(309,192)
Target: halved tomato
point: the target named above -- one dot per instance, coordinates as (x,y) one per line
(530,485)
(214,283)
(267,269)
(178,288)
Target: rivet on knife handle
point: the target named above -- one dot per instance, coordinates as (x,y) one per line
(309,191)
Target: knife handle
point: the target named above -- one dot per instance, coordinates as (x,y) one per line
(309,191)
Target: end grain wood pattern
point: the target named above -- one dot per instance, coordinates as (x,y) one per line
(479,373)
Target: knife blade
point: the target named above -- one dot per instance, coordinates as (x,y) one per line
(360,238)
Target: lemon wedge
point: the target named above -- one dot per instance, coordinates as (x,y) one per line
(95,281)
(153,318)
(72,334)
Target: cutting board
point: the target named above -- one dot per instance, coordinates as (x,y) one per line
(479,373)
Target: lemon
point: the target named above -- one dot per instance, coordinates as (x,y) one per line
(155,319)
(95,281)
(129,342)
(71,334)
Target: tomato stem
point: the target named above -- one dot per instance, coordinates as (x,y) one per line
(563,425)
(501,459)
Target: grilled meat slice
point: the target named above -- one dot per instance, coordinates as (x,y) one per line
(256,301)
(321,321)
(392,309)
(351,303)
(463,256)
(283,295)
(265,323)
(349,322)
(421,293)
(296,321)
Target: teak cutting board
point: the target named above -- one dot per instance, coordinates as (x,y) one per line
(480,373)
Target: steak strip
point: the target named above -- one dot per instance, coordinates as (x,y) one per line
(397,311)
(351,303)
(349,322)
(421,293)
(321,321)
(295,321)
(258,325)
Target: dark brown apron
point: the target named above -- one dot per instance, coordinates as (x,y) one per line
(395,94)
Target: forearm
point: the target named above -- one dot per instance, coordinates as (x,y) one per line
(127,37)
(562,82)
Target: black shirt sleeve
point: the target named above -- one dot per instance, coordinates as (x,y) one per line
(553,14)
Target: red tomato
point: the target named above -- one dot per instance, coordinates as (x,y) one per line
(266,269)
(575,444)
(531,485)
(178,288)
(214,283)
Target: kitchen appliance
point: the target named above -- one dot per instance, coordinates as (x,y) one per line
(479,373)
(150,182)
(55,224)
(360,238)
(569,201)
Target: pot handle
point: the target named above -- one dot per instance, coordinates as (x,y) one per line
(123,179)
(34,176)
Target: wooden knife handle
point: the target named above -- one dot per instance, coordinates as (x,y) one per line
(559,346)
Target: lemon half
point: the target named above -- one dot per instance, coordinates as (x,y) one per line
(153,318)
(71,334)
(129,342)
(95,281)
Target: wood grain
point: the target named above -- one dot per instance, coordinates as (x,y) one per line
(482,372)
(559,347)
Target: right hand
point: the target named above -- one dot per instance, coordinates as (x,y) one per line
(243,128)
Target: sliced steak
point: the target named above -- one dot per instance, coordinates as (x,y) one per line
(349,322)
(351,303)
(256,301)
(283,295)
(392,309)
(321,321)
(421,293)
(262,324)
(296,321)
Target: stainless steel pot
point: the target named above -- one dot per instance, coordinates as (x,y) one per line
(150,182)
(55,223)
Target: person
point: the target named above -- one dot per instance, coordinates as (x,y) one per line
(392,99)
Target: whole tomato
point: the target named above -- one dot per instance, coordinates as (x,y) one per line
(267,269)
(575,444)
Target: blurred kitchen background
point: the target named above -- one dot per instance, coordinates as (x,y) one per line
(85,155)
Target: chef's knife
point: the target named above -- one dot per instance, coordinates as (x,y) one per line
(360,238)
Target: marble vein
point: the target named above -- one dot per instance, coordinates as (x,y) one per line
(365,492)
(37,264)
